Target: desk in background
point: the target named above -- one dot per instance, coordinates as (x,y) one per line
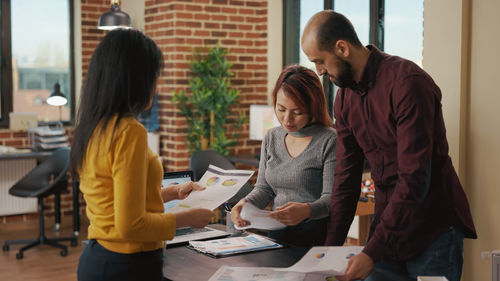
(364,211)
(15,168)
(246,159)
(12,168)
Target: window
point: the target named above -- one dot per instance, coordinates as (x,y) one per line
(36,51)
(404,29)
(358,12)
(296,15)
(306,12)
(394,26)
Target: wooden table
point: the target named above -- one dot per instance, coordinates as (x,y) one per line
(364,211)
(39,156)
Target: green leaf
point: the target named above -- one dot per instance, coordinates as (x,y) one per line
(211,90)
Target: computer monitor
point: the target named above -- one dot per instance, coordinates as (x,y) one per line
(262,118)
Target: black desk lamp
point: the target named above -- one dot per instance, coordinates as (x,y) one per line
(114,18)
(57,99)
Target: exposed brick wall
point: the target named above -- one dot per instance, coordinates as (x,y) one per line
(178,27)
(13,138)
(181,26)
(91,36)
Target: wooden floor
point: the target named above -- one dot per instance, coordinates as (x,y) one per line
(42,263)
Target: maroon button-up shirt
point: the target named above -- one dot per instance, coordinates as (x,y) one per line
(394,119)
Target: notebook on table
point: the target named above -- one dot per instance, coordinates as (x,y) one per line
(185,234)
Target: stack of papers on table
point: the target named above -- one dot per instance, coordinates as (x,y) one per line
(233,245)
(47,138)
(320,263)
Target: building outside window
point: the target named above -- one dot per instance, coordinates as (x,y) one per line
(39,48)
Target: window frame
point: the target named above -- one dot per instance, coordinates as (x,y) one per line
(6,83)
(291,46)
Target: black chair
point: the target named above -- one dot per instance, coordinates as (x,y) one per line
(49,177)
(199,162)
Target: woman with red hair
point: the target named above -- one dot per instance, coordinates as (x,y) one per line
(297,161)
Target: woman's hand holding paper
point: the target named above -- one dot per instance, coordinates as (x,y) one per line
(291,213)
(238,221)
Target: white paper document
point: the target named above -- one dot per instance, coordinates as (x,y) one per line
(220,186)
(227,273)
(325,260)
(319,264)
(258,218)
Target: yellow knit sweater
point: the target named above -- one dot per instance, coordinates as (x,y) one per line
(121,181)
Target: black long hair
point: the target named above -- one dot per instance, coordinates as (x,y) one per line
(120,81)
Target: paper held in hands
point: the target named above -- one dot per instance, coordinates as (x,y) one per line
(258,218)
(220,185)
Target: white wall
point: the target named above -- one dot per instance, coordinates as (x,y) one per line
(442,60)
(471,112)
(483,153)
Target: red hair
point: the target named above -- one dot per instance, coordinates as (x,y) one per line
(302,85)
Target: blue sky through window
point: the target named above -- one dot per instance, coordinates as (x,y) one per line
(403,24)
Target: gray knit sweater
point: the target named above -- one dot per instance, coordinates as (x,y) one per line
(307,178)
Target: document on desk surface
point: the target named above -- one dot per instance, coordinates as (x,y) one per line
(318,264)
(325,260)
(220,185)
(233,245)
(258,218)
(229,273)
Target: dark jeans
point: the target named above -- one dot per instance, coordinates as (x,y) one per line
(444,257)
(305,234)
(97,263)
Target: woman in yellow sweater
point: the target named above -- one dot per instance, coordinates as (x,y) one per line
(120,177)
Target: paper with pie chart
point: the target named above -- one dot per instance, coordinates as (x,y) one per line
(318,264)
(325,260)
(220,185)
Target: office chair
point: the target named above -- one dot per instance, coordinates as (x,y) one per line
(199,162)
(45,179)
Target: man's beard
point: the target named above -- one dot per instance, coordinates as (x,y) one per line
(345,78)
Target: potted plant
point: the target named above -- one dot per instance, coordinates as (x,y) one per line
(208,106)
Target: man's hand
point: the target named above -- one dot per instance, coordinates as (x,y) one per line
(358,267)
(291,213)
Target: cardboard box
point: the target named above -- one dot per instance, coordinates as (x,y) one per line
(22,121)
